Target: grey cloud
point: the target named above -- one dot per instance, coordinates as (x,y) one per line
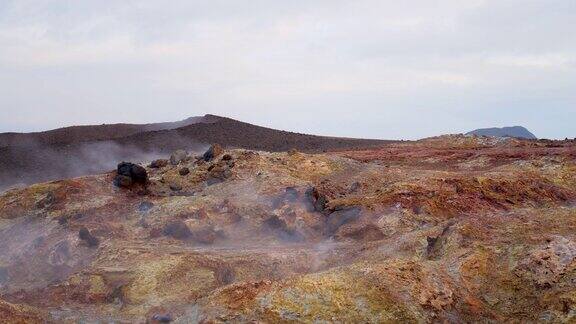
(366,68)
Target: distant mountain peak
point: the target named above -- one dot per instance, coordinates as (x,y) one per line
(513,131)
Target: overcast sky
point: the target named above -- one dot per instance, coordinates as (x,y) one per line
(358,68)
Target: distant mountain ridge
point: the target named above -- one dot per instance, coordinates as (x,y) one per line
(515,131)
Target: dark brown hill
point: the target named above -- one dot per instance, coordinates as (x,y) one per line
(82,150)
(236,134)
(74,134)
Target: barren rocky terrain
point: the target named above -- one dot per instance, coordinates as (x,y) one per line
(448,229)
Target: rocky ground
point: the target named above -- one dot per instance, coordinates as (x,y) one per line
(447,229)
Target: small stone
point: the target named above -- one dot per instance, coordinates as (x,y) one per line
(224,274)
(85,235)
(354,187)
(175,187)
(178,156)
(318,200)
(160,163)
(162,318)
(122,181)
(214,151)
(226,157)
(184,171)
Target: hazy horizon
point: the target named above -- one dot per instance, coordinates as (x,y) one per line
(168,121)
(364,69)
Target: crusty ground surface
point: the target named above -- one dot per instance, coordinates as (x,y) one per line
(449,229)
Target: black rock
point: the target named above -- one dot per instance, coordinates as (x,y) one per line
(122,181)
(227,157)
(318,201)
(214,151)
(139,174)
(160,163)
(184,171)
(129,173)
(162,318)
(85,235)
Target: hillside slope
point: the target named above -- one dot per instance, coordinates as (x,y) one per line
(73,134)
(73,151)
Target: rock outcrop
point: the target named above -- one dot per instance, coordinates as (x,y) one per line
(129,173)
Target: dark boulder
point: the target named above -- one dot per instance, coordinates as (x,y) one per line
(139,174)
(317,200)
(226,157)
(85,235)
(128,173)
(214,151)
(178,156)
(123,181)
(184,171)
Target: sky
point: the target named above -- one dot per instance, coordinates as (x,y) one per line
(363,68)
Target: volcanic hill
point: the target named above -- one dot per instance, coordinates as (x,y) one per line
(515,132)
(82,150)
